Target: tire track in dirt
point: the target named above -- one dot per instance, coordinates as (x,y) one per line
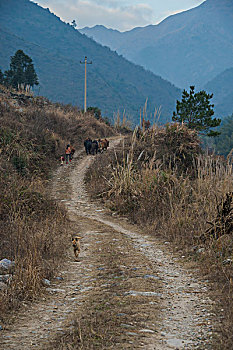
(154,280)
(186,310)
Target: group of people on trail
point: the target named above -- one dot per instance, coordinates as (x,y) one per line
(95,146)
(69,153)
(91,147)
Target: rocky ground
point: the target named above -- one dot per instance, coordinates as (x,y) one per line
(126,291)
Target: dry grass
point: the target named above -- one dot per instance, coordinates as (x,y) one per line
(98,322)
(162,181)
(33,228)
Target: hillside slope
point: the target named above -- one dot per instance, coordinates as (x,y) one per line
(222,88)
(189,48)
(34,228)
(56,49)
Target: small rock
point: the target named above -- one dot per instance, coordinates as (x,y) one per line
(3,286)
(151,276)
(146,331)
(227,261)
(55,290)
(6,264)
(126,325)
(59,278)
(46,282)
(5,278)
(201,250)
(176,343)
(146,294)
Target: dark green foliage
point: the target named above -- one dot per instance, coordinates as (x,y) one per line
(21,72)
(107,121)
(1,77)
(73,24)
(95,111)
(196,112)
(224,142)
(19,163)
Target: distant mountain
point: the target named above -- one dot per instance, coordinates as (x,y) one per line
(222,88)
(189,48)
(56,50)
(104,36)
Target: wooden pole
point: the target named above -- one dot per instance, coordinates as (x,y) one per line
(85,83)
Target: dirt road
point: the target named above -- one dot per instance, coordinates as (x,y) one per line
(126,291)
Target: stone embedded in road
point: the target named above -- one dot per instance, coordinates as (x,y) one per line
(6,264)
(152,277)
(147,331)
(46,282)
(145,294)
(3,286)
(177,343)
(55,290)
(5,278)
(126,325)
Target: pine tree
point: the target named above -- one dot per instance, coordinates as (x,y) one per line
(73,24)
(196,112)
(21,72)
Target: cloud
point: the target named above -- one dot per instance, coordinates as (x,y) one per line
(117,14)
(111,13)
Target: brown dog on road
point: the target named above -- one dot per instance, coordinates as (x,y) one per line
(76,245)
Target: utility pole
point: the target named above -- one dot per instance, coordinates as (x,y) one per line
(85,88)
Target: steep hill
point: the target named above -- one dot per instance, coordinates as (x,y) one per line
(222,88)
(56,49)
(191,47)
(33,135)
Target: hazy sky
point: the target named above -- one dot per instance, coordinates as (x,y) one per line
(117,14)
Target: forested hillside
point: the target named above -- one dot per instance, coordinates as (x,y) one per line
(56,49)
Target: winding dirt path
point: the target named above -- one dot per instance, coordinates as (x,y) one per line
(149,299)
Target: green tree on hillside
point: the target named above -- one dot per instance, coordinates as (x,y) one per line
(196,112)
(224,142)
(73,24)
(95,111)
(21,72)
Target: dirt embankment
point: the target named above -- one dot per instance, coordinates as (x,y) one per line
(127,291)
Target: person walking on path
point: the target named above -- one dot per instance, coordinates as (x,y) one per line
(68,154)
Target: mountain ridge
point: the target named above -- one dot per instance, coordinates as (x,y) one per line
(113,82)
(185,48)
